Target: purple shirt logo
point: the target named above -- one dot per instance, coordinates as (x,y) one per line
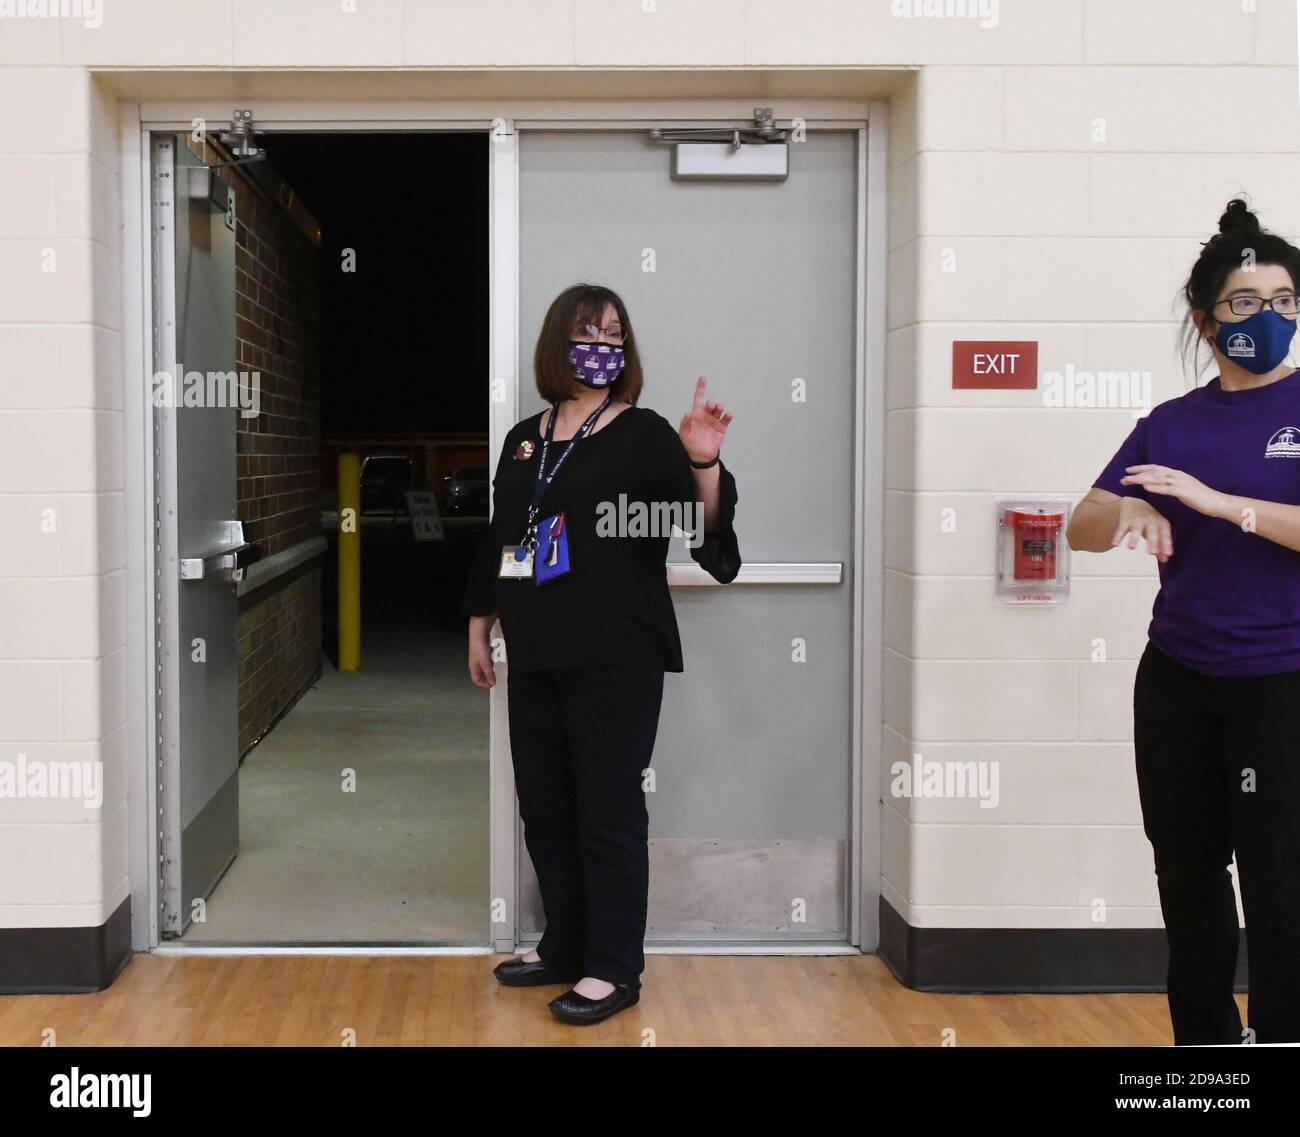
(1284,444)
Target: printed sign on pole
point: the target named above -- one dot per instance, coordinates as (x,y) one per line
(426,522)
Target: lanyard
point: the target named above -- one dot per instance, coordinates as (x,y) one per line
(539,489)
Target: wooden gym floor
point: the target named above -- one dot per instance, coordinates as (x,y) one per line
(172,1000)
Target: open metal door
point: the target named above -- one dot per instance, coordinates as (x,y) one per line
(200,548)
(753,284)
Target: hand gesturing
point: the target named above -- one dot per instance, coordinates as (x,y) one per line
(704,426)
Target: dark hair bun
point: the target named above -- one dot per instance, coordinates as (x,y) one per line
(1238,218)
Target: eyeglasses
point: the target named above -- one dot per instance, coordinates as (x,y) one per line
(613,333)
(1284,305)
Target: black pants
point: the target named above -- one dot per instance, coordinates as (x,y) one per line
(581,739)
(1218,766)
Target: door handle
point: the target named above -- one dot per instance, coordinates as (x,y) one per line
(234,558)
(688,573)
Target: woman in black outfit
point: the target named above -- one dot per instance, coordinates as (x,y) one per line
(589,645)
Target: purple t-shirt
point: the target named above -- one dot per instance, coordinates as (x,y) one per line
(1229,601)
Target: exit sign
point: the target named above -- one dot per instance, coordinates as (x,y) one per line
(995,363)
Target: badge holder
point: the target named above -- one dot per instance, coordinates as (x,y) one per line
(516,561)
(544,552)
(552,549)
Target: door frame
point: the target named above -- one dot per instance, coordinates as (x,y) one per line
(502,121)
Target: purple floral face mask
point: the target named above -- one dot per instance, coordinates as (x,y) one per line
(595,364)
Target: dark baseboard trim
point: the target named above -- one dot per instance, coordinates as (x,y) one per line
(65,961)
(1028,960)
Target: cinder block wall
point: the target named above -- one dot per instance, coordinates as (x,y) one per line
(1062,232)
(62,550)
(1052,186)
(277,330)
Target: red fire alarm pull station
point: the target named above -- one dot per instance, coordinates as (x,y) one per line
(995,364)
(1033,557)
(1034,539)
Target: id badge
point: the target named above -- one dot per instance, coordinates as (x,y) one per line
(516,560)
(552,548)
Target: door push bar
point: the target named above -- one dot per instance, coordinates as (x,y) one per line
(688,573)
(234,558)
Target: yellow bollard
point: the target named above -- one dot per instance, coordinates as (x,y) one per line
(349,562)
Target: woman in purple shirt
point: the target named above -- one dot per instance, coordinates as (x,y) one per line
(1211,482)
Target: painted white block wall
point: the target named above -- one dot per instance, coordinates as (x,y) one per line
(993,155)
(62,610)
(1073,198)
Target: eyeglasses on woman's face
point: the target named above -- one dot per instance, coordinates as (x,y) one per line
(589,332)
(1284,305)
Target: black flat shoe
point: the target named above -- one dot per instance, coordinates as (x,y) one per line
(519,972)
(579,1009)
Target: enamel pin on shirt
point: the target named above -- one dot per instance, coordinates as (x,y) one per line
(517,560)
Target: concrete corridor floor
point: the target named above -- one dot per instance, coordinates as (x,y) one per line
(404,858)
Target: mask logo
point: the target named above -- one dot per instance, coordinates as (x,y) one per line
(1284,444)
(1241,346)
(595,364)
(1258,343)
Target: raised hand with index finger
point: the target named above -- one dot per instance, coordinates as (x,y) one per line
(704,426)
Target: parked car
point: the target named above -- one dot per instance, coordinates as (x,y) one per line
(385,478)
(465,492)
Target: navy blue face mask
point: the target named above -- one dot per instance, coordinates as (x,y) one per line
(1259,342)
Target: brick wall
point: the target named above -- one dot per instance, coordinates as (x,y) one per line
(279,648)
(277,329)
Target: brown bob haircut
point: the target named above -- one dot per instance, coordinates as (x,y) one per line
(582,304)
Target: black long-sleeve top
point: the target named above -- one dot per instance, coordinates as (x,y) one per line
(613,604)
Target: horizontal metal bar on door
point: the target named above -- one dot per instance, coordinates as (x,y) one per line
(692,575)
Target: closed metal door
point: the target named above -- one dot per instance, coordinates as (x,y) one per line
(753,285)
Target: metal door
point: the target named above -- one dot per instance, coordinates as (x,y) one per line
(200,545)
(754,285)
